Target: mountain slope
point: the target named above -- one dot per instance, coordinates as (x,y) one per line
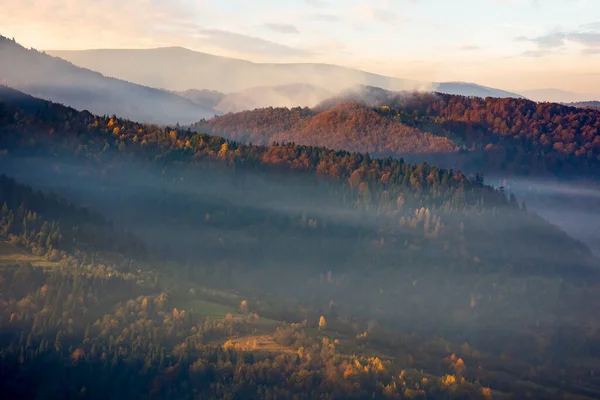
(180,69)
(507,135)
(317,195)
(348,126)
(60,81)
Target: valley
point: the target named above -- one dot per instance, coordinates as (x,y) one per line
(179,224)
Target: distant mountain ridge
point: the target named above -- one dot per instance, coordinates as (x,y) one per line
(471,89)
(196,70)
(558,96)
(55,79)
(584,104)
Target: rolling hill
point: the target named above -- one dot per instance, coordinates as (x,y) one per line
(399,275)
(348,126)
(180,69)
(52,78)
(509,135)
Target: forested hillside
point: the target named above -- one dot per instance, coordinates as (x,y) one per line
(396,280)
(417,196)
(496,135)
(347,126)
(82,327)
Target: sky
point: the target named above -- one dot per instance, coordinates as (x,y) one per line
(510,44)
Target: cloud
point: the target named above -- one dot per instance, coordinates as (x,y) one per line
(367,12)
(548,41)
(384,16)
(324,17)
(99,23)
(79,24)
(244,44)
(590,52)
(590,39)
(316,3)
(594,26)
(559,39)
(535,53)
(468,47)
(282,28)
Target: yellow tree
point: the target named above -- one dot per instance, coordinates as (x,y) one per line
(322,323)
(224,149)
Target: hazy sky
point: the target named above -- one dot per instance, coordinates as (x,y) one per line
(512,44)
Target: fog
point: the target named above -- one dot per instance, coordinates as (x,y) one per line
(232,230)
(179,69)
(54,79)
(575,207)
(570,204)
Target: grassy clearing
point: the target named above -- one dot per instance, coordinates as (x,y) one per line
(216,311)
(202,307)
(11,255)
(257,343)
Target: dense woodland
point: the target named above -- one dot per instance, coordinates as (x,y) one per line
(403,281)
(494,135)
(348,126)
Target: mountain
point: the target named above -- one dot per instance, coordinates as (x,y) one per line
(558,95)
(58,80)
(348,126)
(176,281)
(508,134)
(180,69)
(280,188)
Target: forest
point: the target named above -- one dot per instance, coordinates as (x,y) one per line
(158,262)
(492,135)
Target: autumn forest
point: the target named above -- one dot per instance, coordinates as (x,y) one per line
(355,249)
